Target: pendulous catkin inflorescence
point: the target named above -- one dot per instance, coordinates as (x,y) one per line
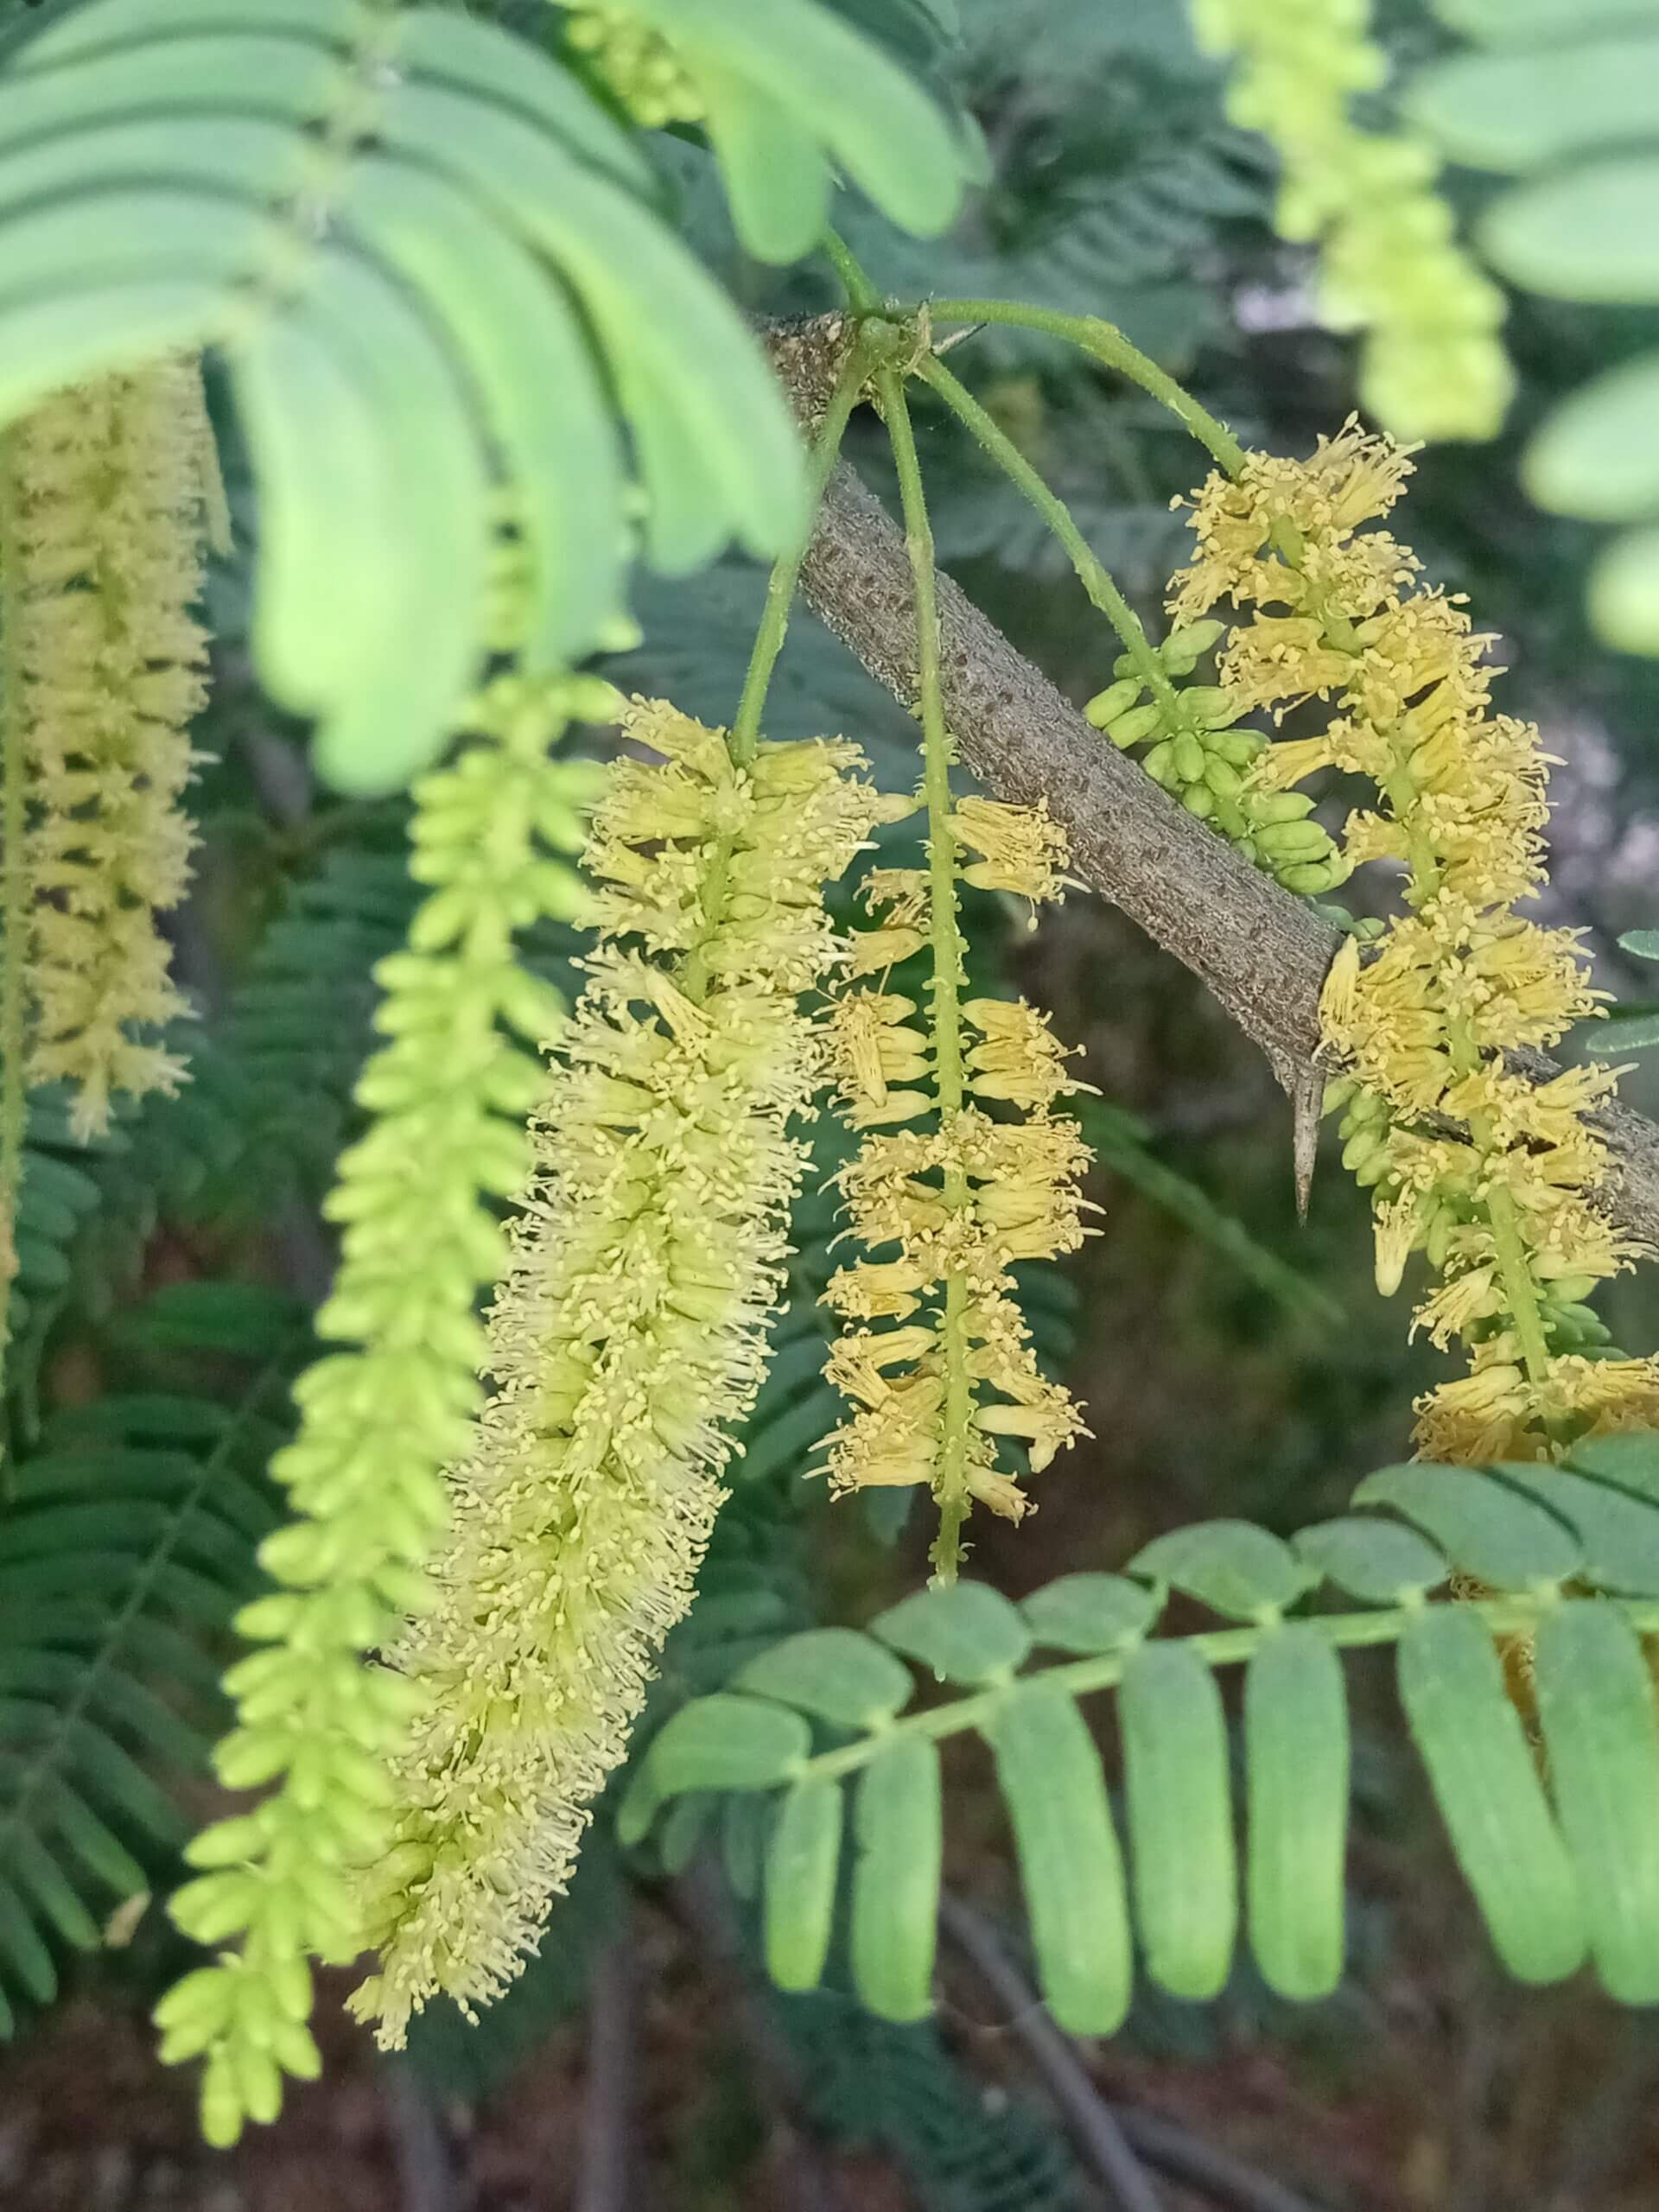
(629,1330)
(1494,1177)
(110,489)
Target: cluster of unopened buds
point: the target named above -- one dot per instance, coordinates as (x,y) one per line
(1196,751)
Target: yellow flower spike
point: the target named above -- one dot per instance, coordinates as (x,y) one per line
(627,1336)
(1459,979)
(111,489)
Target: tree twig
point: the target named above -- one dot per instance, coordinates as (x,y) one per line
(1114,2138)
(1089,2121)
(610,2106)
(1261,952)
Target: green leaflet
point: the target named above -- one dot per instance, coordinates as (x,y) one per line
(838,91)
(1502,1538)
(1516,111)
(1090,1612)
(833,1673)
(1590,234)
(68,336)
(653,310)
(1231,1566)
(520,343)
(966,1633)
(1180,1818)
(803,1856)
(1471,1740)
(1296,1767)
(1644,944)
(1051,1783)
(1620,1535)
(1522,23)
(1623,592)
(897,1828)
(1376,1561)
(1595,455)
(1595,1702)
(776,179)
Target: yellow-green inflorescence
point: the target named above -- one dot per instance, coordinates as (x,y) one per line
(934,1357)
(110,490)
(1433,363)
(448,1094)
(628,1334)
(638,65)
(1493,1176)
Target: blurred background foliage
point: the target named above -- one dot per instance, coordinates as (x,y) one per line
(1232,1361)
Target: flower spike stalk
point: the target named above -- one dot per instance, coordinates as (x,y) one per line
(957,1205)
(1494,1177)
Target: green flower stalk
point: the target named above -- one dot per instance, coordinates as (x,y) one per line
(628,1334)
(112,487)
(449,1093)
(1433,365)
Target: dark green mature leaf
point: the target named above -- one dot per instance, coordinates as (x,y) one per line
(1180,1818)
(834,1673)
(1232,1566)
(802,1858)
(1376,1561)
(966,1633)
(898,1827)
(1595,1700)
(1491,1531)
(1470,1740)
(1053,1784)
(1631,1460)
(1090,1612)
(1296,1764)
